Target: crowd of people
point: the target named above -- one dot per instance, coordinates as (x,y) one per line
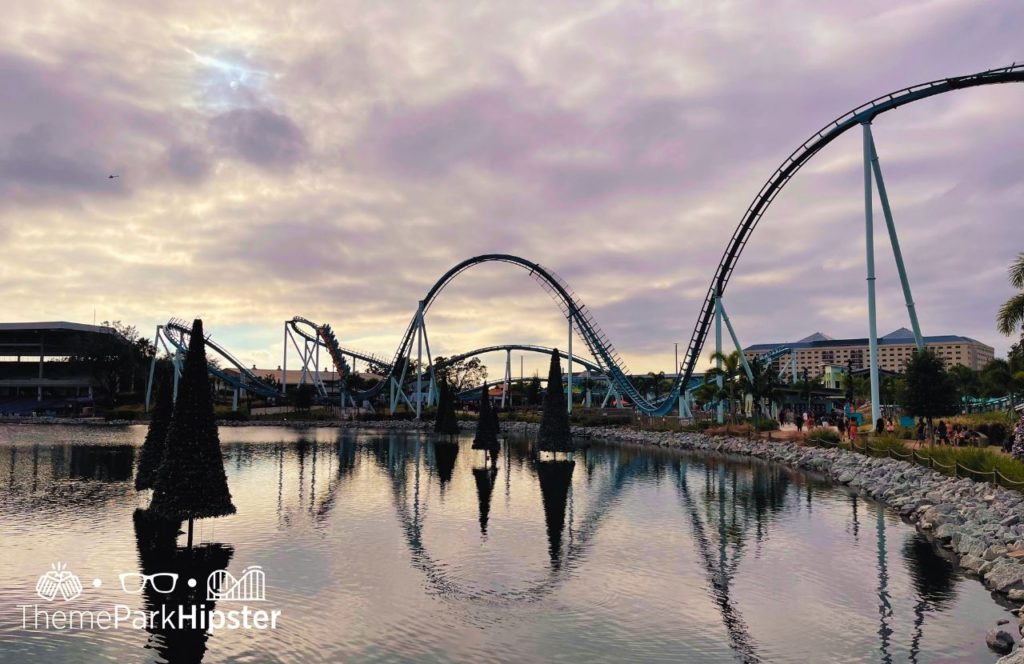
(954,434)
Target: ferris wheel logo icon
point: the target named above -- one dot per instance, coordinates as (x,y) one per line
(249,587)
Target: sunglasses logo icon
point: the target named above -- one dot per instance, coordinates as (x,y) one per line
(162,582)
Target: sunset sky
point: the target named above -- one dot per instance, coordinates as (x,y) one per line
(332,160)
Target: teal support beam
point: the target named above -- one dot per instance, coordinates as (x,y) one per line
(894,240)
(720,410)
(419,359)
(735,341)
(869,238)
(568,374)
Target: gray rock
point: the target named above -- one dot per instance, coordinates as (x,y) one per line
(1005,575)
(1015,658)
(999,641)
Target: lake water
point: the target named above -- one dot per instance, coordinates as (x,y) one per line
(381,546)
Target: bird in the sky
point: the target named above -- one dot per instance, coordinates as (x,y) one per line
(111,177)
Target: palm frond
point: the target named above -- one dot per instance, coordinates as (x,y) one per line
(1017,272)
(1011,315)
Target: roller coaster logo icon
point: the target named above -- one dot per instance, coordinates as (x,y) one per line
(221,585)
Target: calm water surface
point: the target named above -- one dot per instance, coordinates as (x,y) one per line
(381,546)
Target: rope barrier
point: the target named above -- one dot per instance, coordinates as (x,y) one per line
(997,477)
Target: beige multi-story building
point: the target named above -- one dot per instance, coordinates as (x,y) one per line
(894,349)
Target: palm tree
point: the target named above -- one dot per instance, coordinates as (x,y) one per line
(1011,314)
(710,393)
(729,372)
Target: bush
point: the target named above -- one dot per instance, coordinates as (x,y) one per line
(996,432)
(823,435)
(976,459)
(882,445)
(126,413)
(974,462)
(766,424)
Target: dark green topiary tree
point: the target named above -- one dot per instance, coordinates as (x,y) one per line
(533,391)
(156,436)
(554,435)
(929,391)
(445,421)
(191,483)
(487,425)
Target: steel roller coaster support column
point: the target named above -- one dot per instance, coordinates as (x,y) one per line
(432,393)
(284,362)
(735,341)
(720,410)
(419,358)
(508,377)
(869,235)
(568,384)
(894,240)
(152,367)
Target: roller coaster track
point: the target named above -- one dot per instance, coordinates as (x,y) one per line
(312,332)
(863,114)
(597,342)
(177,332)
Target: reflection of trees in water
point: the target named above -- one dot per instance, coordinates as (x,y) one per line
(156,539)
(445,454)
(401,457)
(484,478)
(43,477)
(106,463)
(555,479)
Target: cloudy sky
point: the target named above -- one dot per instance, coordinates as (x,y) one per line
(332,160)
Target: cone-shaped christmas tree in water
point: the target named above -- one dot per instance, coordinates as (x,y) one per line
(554,435)
(486,427)
(446,421)
(156,436)
(191,483)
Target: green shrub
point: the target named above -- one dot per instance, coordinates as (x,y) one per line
(976,459)
(996,432)
(882,445)
(822,435)
(126,413)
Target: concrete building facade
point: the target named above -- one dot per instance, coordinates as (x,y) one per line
(817,351)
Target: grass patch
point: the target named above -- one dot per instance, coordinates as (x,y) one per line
(822,437)
(976,463)
(977,459)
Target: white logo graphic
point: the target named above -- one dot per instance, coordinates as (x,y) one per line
(58,580)
(250,587)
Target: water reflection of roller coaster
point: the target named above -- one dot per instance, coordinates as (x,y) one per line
(308,338)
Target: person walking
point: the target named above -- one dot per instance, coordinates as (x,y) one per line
(799,421)
(943,433)
(920,431)
(853,431)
